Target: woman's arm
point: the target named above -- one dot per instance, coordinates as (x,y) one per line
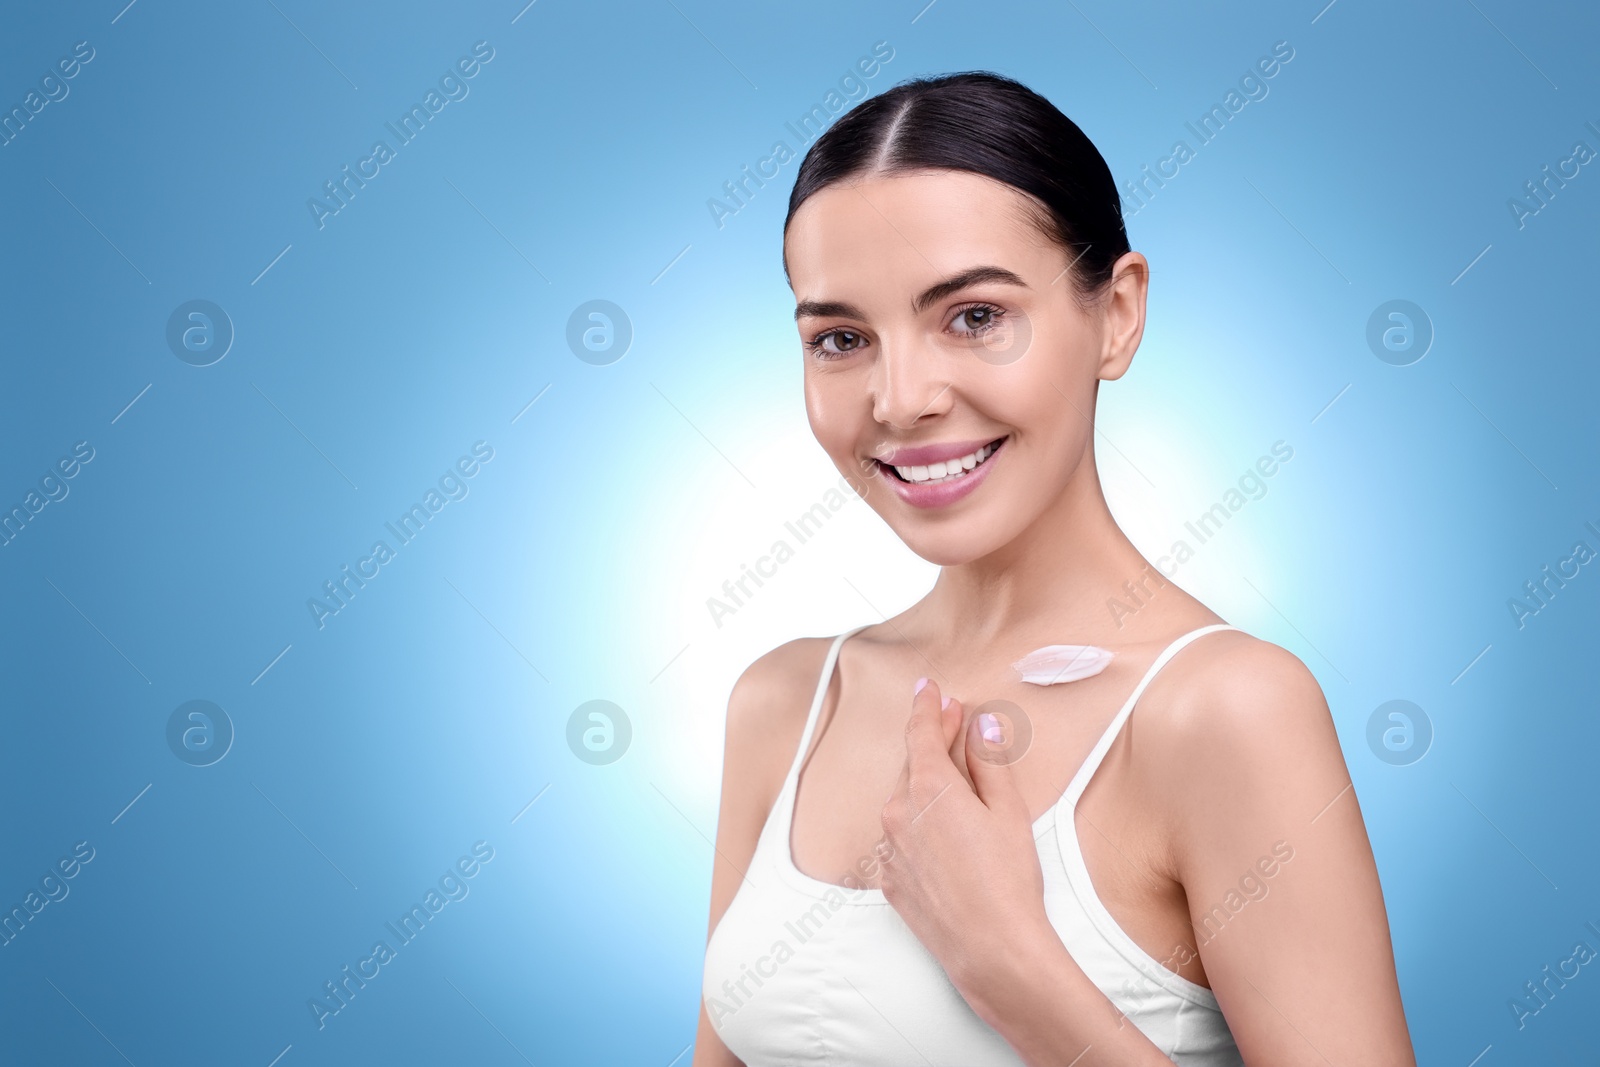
(1270,847)
(766,715)
(1247,784)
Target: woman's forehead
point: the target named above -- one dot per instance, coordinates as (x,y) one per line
(905,231)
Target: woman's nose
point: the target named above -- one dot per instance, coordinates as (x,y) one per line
(905,387)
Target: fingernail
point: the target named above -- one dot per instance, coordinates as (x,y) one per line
(991,729)
(920,683)
(945,703)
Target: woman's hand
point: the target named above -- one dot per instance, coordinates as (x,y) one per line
(962,868)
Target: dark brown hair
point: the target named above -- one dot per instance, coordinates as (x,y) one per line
(991,125)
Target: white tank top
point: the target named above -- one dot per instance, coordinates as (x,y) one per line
(799,971)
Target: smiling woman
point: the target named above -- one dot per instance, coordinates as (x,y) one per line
(963,284)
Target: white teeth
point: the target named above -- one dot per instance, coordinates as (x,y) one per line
(953,468)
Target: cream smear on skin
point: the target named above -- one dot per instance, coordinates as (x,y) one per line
(1054,664)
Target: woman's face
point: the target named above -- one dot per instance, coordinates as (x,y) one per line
(939,331)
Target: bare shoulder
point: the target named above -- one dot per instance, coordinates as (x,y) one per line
(766,716)
(777,687)
(1234,721)
(1230,689)
(1242,773)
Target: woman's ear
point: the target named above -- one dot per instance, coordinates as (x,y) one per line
(1121,309)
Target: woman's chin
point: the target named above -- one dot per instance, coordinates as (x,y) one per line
(950,548)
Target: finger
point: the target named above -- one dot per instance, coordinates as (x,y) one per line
(950,719)
(956,737)
(900,783)
(991,773)
(927,752)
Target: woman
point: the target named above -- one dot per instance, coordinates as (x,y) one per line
(1191,885)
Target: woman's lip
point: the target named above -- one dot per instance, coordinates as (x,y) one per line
(942,494)
(923,455)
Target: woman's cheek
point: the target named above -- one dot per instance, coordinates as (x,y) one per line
(832,422)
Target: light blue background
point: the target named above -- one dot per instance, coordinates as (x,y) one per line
(430,311)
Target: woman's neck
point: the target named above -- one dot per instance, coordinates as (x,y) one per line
(1056,578)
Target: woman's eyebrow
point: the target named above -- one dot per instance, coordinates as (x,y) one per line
(827,309)
(823,309)
(954,284)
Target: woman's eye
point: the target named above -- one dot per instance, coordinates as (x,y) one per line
(835,343)
(978,319)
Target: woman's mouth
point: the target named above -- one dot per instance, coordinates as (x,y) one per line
(941,483)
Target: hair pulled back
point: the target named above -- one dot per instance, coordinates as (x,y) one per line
(987,124)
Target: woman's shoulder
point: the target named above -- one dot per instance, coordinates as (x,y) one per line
(768,690)
(767,713)
(1231,680)
(1233,715)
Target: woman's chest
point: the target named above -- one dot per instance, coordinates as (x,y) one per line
(856,761)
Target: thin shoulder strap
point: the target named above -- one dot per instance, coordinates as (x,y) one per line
(1080,781)
(816,699)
